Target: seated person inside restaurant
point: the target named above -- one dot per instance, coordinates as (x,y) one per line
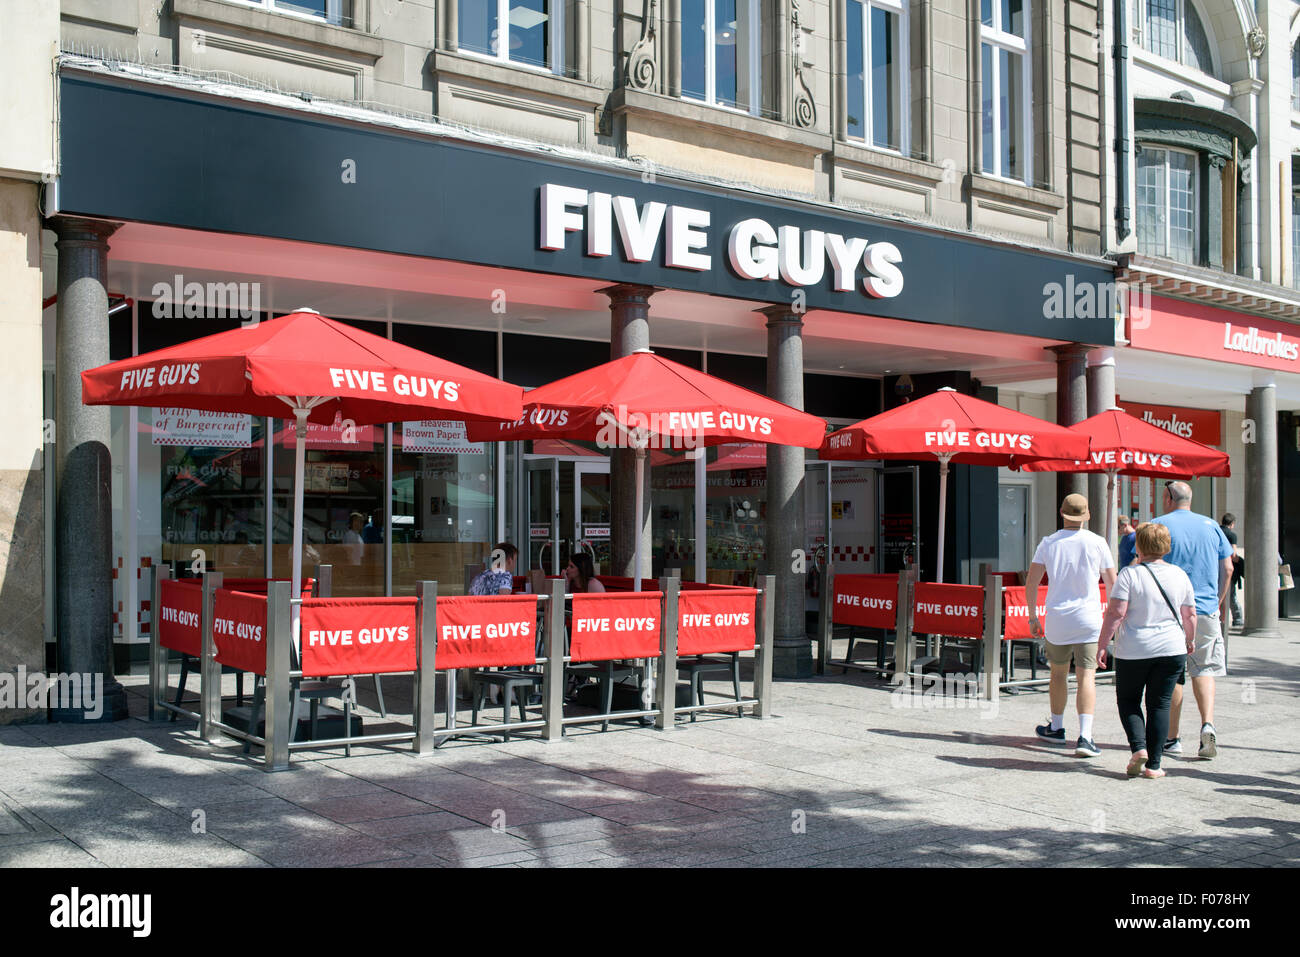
(580,574)
(498,577)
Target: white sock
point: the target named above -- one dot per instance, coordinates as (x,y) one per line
(1085,726)
(1058,722)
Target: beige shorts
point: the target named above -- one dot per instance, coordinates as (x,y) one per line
(1084,654)
(1208,660)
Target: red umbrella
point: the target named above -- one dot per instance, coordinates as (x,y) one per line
(954,428)
(645,399)
(311,367)
(1122,444)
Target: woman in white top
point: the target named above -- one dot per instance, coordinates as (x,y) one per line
(1153,608)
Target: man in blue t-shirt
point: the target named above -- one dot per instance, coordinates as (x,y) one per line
(1201,549)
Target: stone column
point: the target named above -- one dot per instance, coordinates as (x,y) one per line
(629,330)
(1261,533)
(1101,396)
(1071,407)
(83,516)
(792,657)
(581,28)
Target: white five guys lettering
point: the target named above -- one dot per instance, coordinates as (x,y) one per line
(755,248)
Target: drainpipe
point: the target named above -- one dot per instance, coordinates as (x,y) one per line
(1122,142)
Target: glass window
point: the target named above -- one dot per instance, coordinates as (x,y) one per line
(876,96)
(1004,97)
(1167,210)
(531,29)
(1174,30)
(1295,76)
(444,506)
(199,499)
(720,53)
(1295,240)
(331,11)
(736,513)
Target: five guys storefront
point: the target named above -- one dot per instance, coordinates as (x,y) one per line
(196,211)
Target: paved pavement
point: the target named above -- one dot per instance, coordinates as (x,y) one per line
(841,776)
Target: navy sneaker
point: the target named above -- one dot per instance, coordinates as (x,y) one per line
(1084,748)
(1045,732)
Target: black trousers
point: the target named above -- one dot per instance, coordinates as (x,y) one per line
(1154,679)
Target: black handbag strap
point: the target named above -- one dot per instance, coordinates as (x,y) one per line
(1178,621)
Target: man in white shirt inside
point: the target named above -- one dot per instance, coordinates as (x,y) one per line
(1074,560)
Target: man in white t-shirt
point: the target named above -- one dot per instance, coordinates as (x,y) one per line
(1074,560)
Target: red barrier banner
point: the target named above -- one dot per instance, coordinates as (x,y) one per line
(1015,614)
(1015,611)
(709,622)
(956,610)
(490,631)
(179,618)
(258,586)
(865,600)
(239,630)
(624,583)
(358,636)
(612,626)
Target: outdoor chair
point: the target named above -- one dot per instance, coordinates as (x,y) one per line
(881,638)
(606,673)
(697,667)
(189,662)
(512,683)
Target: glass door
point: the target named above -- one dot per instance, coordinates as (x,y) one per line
(1013,528)
(899,529)
(542,510)
(817,522)
(591,512)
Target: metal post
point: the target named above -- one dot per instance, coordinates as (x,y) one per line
(279,634)
(324,581)
(157,653)
(553,679)
(826,618)
(666,693)
(209,668)
(426,620)
(992,633)
(903,640)
(766,647)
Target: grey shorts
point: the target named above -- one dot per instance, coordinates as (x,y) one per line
(1207,661)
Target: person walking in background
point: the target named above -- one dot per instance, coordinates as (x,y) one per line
(1153,608)
(1127,539)
(352,537)
(1234,616)
(1074,560)
(1198,547)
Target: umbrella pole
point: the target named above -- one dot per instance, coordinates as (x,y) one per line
(1112,519)
(943,512)
(299,471)
(640,519)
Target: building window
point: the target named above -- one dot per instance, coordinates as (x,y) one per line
(1166,204)
(1295,76)
(720,53)
(1173,29)
(331,11)
(1295,240)
(877,72)
(532,30)
(1005,96)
